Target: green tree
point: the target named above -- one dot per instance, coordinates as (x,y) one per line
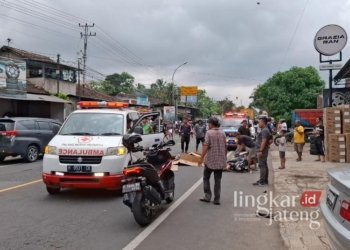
(226,105)
(296,88)
(206,105)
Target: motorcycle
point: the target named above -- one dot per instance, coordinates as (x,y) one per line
(147,182)
(239,163)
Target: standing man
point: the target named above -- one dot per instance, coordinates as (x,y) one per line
(244,129)
(214,158)
(263,151)
(199,130)
(185,133)
(319,137)
(299,139)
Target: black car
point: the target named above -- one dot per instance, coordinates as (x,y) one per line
(25,136)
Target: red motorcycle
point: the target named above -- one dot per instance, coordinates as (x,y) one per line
(147,182)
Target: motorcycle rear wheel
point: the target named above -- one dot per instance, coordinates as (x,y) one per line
(142,215)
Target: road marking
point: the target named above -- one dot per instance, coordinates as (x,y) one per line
(19,186)
(145,233)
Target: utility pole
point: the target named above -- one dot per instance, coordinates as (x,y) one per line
(58,74)
(85,34)
(9,40)
(79,91)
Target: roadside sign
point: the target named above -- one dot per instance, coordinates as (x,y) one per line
(188,91)
(330,40)
(336,66)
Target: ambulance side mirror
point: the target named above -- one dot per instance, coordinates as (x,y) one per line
(138,130)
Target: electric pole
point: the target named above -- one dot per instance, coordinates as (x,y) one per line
(58,74)
(79,90)
(85,35)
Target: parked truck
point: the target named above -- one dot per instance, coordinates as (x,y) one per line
(307,118)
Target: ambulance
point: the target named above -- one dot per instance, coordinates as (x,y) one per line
(88,152)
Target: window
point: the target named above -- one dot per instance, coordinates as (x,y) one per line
(55,127)
(26,125)
(103,124)
(44,125)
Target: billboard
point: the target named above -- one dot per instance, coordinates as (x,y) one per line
(188,91)
(169,113)
(12,77)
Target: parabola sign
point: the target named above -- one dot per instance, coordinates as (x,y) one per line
(330,40)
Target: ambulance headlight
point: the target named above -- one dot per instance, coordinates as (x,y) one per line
(116,151)
(50,150)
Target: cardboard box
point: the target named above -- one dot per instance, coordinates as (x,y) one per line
(336,148)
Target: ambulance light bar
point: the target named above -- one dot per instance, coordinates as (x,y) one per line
(110,105)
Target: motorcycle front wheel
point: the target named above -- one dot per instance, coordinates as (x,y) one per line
(142,214)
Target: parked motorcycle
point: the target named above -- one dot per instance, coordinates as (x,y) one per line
(147,182)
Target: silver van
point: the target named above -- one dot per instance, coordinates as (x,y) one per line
(26,136)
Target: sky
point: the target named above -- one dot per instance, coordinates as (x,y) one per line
(230,46)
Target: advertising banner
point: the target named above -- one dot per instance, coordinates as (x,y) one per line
(169,113)
(12,77)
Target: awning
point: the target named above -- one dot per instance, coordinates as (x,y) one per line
(344,72)
(38,98)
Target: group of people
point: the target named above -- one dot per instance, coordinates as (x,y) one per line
(214,151)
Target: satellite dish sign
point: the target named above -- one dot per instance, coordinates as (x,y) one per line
(330,40)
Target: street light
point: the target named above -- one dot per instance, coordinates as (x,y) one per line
(173,90)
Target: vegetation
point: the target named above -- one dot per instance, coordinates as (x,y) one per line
(296,88)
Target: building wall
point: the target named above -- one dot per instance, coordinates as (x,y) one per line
(50,85)
(7,106)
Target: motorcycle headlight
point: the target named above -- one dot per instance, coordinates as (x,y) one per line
(50,150)
(116,151)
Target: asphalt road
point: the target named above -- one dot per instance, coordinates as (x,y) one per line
(85,219)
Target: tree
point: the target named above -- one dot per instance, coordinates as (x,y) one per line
(296,88)
(206,105)
(226,105)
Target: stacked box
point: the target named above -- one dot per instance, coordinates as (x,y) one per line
(336,148)
(332,120)
(346,119)
(347,146)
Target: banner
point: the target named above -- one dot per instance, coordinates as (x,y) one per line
(12,77)
(169,113)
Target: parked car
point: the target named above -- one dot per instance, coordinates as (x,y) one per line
(26,136)
(336,208)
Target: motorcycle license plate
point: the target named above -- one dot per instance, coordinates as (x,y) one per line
(78,169)
(131,187)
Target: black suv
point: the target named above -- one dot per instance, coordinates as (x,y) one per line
(25,136)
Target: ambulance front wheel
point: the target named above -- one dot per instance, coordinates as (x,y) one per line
(53,190)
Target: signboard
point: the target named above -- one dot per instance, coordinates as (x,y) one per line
(189,91)
(336,66)
(169,113)
(12,77)
(330,40)
(142,100)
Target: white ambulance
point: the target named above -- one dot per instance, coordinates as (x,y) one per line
(88,152)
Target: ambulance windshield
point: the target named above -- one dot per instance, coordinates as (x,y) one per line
(102,124)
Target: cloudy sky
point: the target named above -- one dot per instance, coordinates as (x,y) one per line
(230,45)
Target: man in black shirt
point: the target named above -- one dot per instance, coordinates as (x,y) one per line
(263,152)
(247,143)
(185,133)
(244,129)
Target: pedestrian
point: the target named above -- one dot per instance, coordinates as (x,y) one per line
(263,151)
(319,139)
(199,130)
(299,139)
(185,134)
(282,148)
(244,129)
(214,157)
(247,143)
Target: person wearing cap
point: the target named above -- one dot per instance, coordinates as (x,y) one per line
(214,152)
(244,129)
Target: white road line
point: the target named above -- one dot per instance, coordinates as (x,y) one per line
(145,233)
